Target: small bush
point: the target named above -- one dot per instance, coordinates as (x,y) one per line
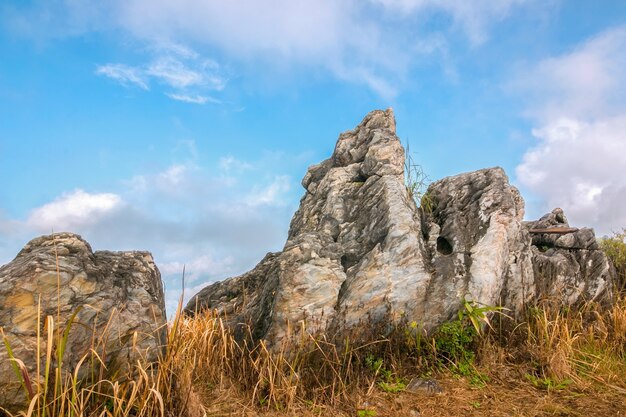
(615,249)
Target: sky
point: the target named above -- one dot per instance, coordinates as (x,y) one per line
(184,127)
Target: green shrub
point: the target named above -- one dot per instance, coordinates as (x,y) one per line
(615,249)
(453,343)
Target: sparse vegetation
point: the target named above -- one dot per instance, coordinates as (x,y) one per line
(415,179)
(558,359)
(615,248)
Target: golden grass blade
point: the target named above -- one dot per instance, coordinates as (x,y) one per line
(31,406)
(15,364)
(48,362)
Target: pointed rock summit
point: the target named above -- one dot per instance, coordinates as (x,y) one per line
(360,253)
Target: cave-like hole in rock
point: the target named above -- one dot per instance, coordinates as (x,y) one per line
(348,261)
(360,179)
(444,247)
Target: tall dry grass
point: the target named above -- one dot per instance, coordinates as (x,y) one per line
(203,364)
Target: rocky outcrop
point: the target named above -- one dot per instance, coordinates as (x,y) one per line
(568,264)
(479,248)
(356,228)
(361,255)
(117,297)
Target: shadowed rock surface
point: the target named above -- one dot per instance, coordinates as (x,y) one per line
(119,291)
(360,254)
(569,267)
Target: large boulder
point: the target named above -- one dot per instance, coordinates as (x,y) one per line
(479,248)
(118,297)
(361,255)
(355,227)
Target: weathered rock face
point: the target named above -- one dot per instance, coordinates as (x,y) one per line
(359,251)
(117,291)
(355,223)
(478,246)
(568,266)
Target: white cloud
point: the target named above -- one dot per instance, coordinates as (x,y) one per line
(175,66)
(474,17)
(200,266)
(270,194)
(588,82)
(71,210)
(184,214)
(337,36)
(232,164)
(168,48)
(124,74)
(174,73)
(364,42)
(193,99)
(579,102)
(579,166)
(173,176)
(169,181)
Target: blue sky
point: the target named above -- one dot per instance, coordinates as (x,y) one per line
(184,127)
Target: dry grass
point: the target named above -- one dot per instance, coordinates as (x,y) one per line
(556,362)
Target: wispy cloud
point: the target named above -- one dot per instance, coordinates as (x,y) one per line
(175,66)
(174,73)
(124,74)
(362,42)
(473,17)
(588,81)
(194,99)
(270,194)
(231,164)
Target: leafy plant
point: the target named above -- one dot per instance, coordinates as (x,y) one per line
(375,365)
(455,341)
(388,382)
(392,387)
(615,249)
(548,383)
(477,314)
(366,413)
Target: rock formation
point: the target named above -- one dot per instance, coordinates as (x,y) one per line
(478,247)
(567,263)
(118,297)
(360,253)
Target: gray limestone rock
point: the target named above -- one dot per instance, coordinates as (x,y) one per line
(569,267)
(117,291)
(427,386)
(479,248)
(360,255)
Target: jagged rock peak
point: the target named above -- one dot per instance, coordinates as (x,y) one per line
(118,291)
(360,254)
